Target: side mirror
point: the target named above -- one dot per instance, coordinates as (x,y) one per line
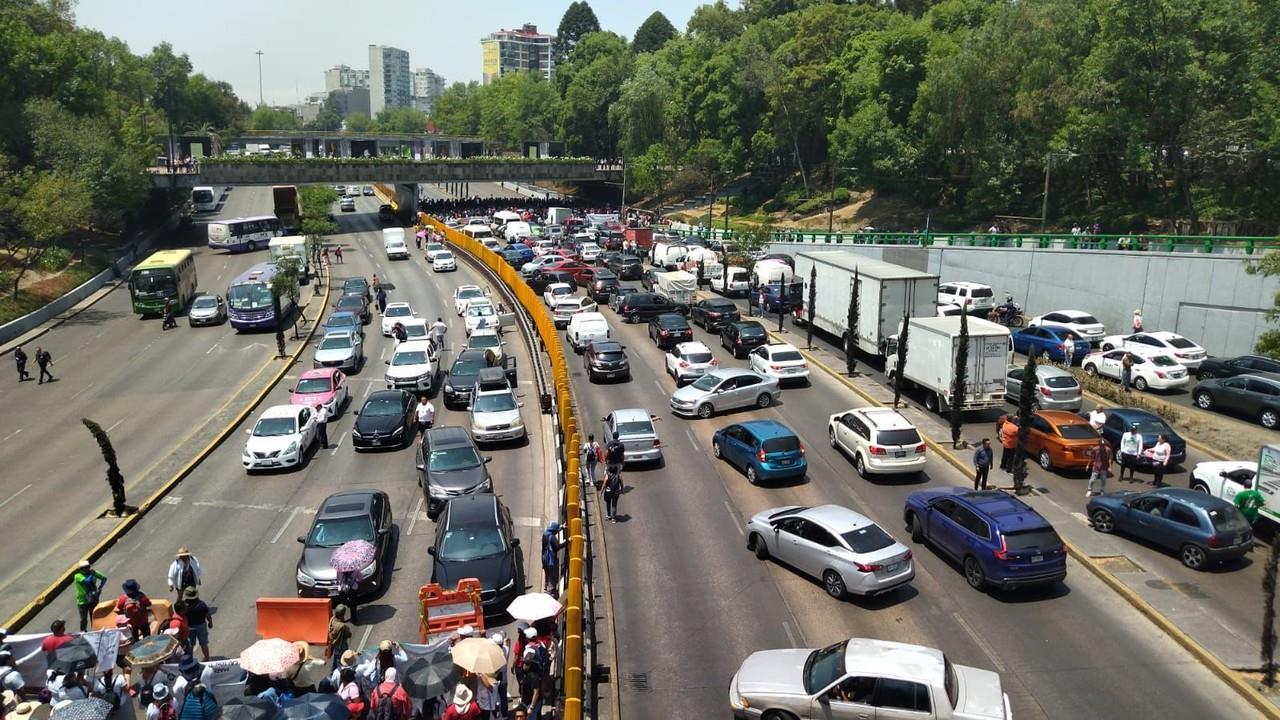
(488,459)
(421,467)
(515,542)
(384,531)
(469,407)
(248,431)
(302,540)
(519,404)
(431,550)
(386,362)
(357,413)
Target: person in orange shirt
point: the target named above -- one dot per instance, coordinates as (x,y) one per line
(1008,440)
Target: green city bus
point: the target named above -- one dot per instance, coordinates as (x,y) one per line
(165,275)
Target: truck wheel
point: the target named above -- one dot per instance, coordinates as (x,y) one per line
(931,402)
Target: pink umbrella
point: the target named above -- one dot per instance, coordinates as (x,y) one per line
(352,555)
(268,656)
(422,233)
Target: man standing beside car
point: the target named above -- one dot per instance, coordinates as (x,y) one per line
(1099,467)
(982,464)
(1130,449)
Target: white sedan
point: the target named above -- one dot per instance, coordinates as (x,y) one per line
(443,262)
(463,296)
(1156,371)
(567,307)
(280,438)
(396,312)
(556,292)
(1078,321)
(1183,350)
(780,361)
(688,361)
(432,249)
(480,314)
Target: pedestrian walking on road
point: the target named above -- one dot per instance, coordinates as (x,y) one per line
(337,254)
(199,620)
(1130,449)
(592,454)
(425,413)
(184,571)
(44,360)
(1008,441)
(322,426)
(88,584)
(438,329)
(20,359)
(326,256)
(1160,455)
(340,635)
(1069,352)
(982,464)
(1099,468)
(382,301)
(551,545)
(1126,371)
(612,491)
(169,322)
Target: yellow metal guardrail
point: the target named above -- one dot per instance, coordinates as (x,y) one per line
(576,559)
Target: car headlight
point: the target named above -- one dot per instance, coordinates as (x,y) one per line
(510,584)
(293,447)
(397,431)
(369,571)
(305,579)
(355,433)
(518,422)
(436,491)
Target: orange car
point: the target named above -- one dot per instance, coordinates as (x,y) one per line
(1060,439)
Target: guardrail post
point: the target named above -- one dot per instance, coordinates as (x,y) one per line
(1208,245)
(1248,246)
(573,648)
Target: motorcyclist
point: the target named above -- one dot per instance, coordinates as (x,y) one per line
(169,322)
(1008,311)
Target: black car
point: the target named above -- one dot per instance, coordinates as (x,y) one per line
(356,304)
(386,420)
(606,360)
(607,258)
(742,336)
(357,286)
(603,286)
(475,538)
(626,267)
(669,329)
(540,279)
(386,213)
(352,515)
(644,305)
(449,464)
(1230,367)
(713,313)
(462,377)
(1252,396)
(615,301)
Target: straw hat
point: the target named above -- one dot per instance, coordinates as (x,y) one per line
(462,696)
(184,552)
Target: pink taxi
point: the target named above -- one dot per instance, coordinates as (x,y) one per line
(327,386)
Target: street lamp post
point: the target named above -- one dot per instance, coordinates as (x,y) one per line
(260,100)
(1044,206)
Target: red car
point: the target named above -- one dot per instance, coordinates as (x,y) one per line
(582,273)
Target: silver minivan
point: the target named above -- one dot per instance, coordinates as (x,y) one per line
(725,389)
(1056,389)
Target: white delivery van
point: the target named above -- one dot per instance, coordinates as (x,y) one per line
(586,328)
(292,246)
(516,229)
(668,254)
(732,281)
(393,243)
(558,215)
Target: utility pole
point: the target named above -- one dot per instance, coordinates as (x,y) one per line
(260,100)
(623,217)
(1044,204)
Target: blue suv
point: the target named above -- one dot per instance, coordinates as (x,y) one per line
(997,539)
(763,449)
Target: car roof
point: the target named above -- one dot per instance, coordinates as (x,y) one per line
(399,304)
(835,517)
(884,418)
(448,436)
(878,658)
(355,280)
(1061,417)
(1192,497)
(1048,371)
(685,348)
(719,301)
(746,323)
(1132,414)
(343,314)
(728,372)
(766,429)
(384,395)
(606,346)
(1008,512)
(484,331)
(773,346)
(631,415)
(669,318)
(411,345)
(414,321)
(316,373)
(966,284)
(281,411)
(346,504)
(338,332)
(470,355)
(473,509)
(1073,313)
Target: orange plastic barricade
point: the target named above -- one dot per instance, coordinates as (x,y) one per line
(294,619)
(104,614)
(443,611)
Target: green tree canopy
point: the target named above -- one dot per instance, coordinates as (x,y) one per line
(653,33)
(578,20)
(401,120)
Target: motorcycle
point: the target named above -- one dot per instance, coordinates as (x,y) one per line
(1008,315)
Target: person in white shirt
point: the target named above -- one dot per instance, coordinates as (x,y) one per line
(438,329)
(184,571)
(1097,418)
(1160,456)
(322,425)
(425,413)
(1130,449)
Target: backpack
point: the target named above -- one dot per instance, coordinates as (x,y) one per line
(385,710)
(541,658)
(593,453)
(548,551)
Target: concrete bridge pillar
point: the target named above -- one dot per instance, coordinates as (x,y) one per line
(344,148)
(407,201)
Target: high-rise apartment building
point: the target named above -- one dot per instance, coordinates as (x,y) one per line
(342,77)
(390,78)
(509,50)
(427,86)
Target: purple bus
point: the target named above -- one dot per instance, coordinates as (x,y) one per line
(249,299)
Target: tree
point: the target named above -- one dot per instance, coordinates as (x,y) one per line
(457,110)
(114,479)
(37,209)
(639,115)
(592,78)
(284,283)
(851,334)
(578,20)
(316,200)
(1269,616)
(269,118)
(653,33)
(516,108)
(404,120)
(358,122)
(1026,395)
(900,368)
(1269,341)
(811,306)
(960,380)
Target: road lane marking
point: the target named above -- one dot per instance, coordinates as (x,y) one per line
(413,519)
(337,444)
(11,497)
(1081,517)
(737,523)
(982,644)
(364,639)
(211,348)
(77,393)
(692,439)
(526,521)
(116,424)
(368,389)
(658,382)
(292,514)
(791,637)
(15,432)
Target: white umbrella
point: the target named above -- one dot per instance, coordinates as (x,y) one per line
(479,655)
(534,606)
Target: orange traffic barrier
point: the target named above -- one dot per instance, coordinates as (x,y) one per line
(443,611)
(104,615)
(294,619)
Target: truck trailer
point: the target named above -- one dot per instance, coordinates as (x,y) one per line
(931,361)
(288,207)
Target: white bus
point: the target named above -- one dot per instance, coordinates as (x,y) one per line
(241,234)
(204,199)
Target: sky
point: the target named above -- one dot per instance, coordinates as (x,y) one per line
(300,39)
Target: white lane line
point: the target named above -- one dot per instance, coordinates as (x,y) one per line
(15,432)
(292,514)
(1084,519)
(383,355)
(368,389)
(364,639)
(526,521)
(11,497)
(977,639)
(77,393)
(736,522)
(116,424)
(211,348)
(786,627)
(658,382)
(413,520)
(692,439)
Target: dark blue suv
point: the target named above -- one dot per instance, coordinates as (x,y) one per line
(997,539)
(764,449)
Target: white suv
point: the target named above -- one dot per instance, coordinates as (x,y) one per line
(689,361)
(412,366)
(975,296)
(880,440)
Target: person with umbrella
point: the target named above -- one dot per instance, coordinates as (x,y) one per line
(349,559)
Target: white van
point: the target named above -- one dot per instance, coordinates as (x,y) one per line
(516,229)
(477,232)
(393,241)
(667,255)
(732,281)
(292,246)
(586,328)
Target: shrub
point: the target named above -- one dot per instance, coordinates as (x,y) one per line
(811,206)
(1111,391)
(54,260)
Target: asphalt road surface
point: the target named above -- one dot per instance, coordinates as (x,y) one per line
(243,528)
(691,602)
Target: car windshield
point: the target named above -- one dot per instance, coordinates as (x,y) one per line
(499,402)
(336,342)
(471,543)
(314,385)
(341,321)
(470,293)
(781,444)
(381,408)
(673,323)
(1060,381)
(409,357)
(1077,431)
(706,382)
(561,290)
(1043,538)
(480,310)
(750,330)
(249,296)
(1180,342)
(205,302)
(398,311)
(332,533)
(867,539)
(274,427)
(907,436)
(698,357)
(635,427)
(611,356)
(480,342)
(1153,427)
(350,302)
(454,458)
(415,331)
(787,356)
(823,667)
(433,247)
(1162,360)
(358,285)
(444,256)
(468,366)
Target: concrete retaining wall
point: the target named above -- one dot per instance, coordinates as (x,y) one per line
(1208,298)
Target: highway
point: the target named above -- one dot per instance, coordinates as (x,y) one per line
(691,602)
(152,391)
(242,528)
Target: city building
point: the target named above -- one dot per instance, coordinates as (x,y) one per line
(509,50)
(427,86)
(343,77)
(310,108)
(351,100)
(390,79)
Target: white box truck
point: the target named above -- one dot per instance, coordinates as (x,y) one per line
(677,286)
(393,242)
(887,293)
(292,246)
(558,215)
(931,361)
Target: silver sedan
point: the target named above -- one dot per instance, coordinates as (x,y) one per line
(725,389)
(844,549)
